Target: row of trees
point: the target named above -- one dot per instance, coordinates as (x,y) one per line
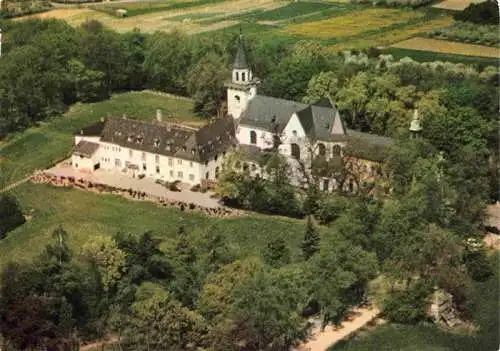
(469,33)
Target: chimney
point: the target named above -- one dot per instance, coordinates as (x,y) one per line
(158,115)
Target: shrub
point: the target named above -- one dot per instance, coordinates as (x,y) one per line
(10,215)
(482,13)
(408,306)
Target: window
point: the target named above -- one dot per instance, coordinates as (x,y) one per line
(253,137)
(325,185)
(179,175)
(245,166)
(170,162)
(118,163)
(157,142)
(157,159)
(207,175)
(237,98)
(294,132)
(190,164)
(336,150)
(237,76)
(130,153)
(157,169)
(243,76)
(216,157)
(171,174)
(143,156)
(179,162)
(144,167)
(295,151)
(191,177)
(321,149)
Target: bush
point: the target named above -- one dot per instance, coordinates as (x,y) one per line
(10,215)
(482,13)
(409,306)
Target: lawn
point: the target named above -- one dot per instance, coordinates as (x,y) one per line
(83,214)
(485,306)
(41,146)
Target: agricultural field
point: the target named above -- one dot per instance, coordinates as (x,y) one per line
(83,213)
(456,5)
(448,47)
(39,147)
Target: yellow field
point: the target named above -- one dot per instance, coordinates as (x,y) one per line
(458,5)
(353,23)
(448,47)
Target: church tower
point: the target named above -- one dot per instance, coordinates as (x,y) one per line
(243,85)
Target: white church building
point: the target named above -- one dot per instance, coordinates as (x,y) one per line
(254,123)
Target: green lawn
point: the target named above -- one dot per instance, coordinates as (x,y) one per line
(83,214)
(429,56)
(485,308)
(40,147)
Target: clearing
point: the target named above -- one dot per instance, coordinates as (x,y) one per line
(457,5)
(448,47)
(40,147)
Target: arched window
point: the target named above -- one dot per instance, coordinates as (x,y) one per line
(321,149)
(237,98)
(336,150)
(253,137)
(237,76)
(217,172)
(295,151)
(243,76)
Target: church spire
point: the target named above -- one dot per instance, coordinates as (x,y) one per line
(240,61)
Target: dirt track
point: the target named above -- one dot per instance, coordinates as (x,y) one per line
(321,341)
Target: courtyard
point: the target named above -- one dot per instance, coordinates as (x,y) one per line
(146,185)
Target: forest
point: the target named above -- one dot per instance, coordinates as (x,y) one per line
(198,293)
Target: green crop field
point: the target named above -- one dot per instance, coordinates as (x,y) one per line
(485,306)
(41,146)
(83,214)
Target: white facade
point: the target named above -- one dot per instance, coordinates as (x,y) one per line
(238,99)
(113,157)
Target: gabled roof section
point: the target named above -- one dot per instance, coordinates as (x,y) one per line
(307,120)
(86,148)
(92,130)
(368,146)
(267,112)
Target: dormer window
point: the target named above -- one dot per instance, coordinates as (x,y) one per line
(184,148)
(168,147)
(192,151)
(157,142)
(130,138)
(273,120)
(139,139)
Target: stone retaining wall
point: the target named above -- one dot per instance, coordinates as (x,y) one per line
(79,183)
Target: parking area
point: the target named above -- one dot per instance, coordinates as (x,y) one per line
(146,185)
